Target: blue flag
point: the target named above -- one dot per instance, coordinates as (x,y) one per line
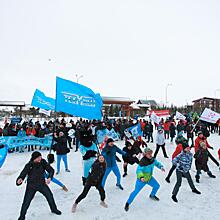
(78,100)
(39,100)
(135,130)
(101,134)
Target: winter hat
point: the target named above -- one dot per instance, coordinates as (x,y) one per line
(109,140)
(147,150)
(200,132)
(185,144)
(128,143)
(35,155)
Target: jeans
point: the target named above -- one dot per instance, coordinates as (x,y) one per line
(115,171)
(179,176)
(77,144)
(54,180)
(29,195)
(86,189)
(139,186)
(64,158)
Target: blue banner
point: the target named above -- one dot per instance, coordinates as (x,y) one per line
(39,100)
(101,134)
(16,120)
(15,141)
(3,152)
(135,130)
(77,100)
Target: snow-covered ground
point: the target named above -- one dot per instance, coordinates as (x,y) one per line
(190,206)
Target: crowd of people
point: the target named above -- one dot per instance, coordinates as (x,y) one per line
(100,159)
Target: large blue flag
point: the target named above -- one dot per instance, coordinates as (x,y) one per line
(78,100)
(41,101)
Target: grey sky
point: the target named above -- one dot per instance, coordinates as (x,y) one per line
(130,48)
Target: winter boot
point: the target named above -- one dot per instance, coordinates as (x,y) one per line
(57,212)
(174,198)
(125,174)
(84,181)
(154,198)
(197,178)
(126,207)
(67,170)
(211,175)
(65,189)
(167,179)
(103,204)
(196,191)
(74,208)
(120,186)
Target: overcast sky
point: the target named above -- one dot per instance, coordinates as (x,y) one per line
(128,48)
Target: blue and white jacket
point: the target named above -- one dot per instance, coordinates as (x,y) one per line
(183,161)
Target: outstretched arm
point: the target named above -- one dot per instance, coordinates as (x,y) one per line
(23,174)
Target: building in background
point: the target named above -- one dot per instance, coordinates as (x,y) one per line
(212,103)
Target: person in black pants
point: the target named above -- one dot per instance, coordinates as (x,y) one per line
(130,158)
(35,170)
(160,143)
(94,179)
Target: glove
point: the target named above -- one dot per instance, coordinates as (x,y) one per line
(89,154)
(211,148)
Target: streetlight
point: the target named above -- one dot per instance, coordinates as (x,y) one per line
(78,77)
(169,84)
(217,90)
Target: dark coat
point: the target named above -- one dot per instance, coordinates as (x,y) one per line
(36,173)
(129,157)
(110,155)
(61,146)
(172,130)
(202,157)
(97,173)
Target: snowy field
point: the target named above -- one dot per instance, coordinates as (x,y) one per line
(190,206)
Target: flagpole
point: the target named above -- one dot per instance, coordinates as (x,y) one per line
(195,125)
(55,118)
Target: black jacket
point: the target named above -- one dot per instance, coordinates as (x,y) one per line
(129,157)
(146,162)
(61,146)
(97,173)
(202,157)
(36,173)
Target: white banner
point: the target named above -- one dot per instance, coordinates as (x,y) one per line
(209,116)
(180,116)
(155,118)
(43,111)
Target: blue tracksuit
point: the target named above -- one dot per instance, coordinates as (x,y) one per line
(145,170)
(87,164)
(109,154)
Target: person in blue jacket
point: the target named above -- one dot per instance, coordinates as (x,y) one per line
(145,177)
(89,150)
(109,153)
(21,134)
